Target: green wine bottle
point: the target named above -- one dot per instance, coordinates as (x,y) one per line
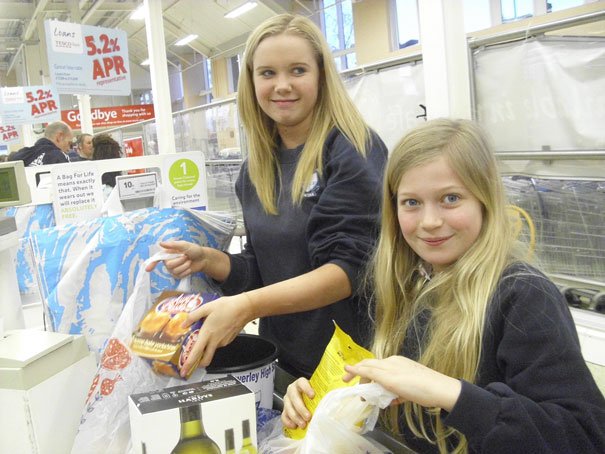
(247,446)
(193,436)
(229,442)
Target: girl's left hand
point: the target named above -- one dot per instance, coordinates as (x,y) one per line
(295,413)
(224,318)
(411,381)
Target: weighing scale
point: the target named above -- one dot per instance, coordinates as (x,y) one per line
(14,191)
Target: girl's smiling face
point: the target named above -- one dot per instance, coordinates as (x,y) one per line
(439,218)
(286,83)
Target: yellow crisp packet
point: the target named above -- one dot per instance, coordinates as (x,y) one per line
(327,376)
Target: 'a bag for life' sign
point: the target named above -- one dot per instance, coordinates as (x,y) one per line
(87,60)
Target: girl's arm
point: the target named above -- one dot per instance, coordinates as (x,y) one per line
(226,316)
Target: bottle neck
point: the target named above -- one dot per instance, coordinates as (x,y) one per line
(229,441)
(246,428)
(191,421)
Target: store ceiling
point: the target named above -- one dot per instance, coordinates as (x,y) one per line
(21,21)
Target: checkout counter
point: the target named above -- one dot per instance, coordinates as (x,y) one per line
(44,380)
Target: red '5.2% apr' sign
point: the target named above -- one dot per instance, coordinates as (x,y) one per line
(41,102)
(105,66)
(7,133)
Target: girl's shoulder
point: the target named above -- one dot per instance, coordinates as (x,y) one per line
(521,276)
(523,287)
(337,146)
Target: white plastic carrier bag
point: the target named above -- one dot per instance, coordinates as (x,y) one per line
(104,426)
(338,425)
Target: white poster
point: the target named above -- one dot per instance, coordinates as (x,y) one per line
(542,94)
(87,59)
(78,194)
(29,105)
(390,100)
(9,134)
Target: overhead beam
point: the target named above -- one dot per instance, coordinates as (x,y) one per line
(33,22)
(279,7)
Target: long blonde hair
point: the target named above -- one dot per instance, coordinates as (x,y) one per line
(333,108)
(456,298)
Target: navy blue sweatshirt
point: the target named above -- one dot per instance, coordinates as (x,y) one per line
(337,223)
(534,393)
(42,152)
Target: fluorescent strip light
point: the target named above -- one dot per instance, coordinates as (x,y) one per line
(240,10)
(186,40)
(145,62)
(139,13)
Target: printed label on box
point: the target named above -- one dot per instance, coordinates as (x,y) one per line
(208,416)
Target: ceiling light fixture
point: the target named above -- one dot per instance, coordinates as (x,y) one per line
(139,13)
(145,62)
(240,10)
(186,40)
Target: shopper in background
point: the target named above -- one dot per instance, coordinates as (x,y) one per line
(83,151)
(105,147)
(50,149)
(479,346)
(310,193)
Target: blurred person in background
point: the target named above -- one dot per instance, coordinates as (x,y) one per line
(83,151)
(53,148)
(105,147)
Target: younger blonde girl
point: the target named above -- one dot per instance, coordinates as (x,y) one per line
(479,345)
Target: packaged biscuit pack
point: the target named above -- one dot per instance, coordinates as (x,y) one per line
(160,337)
(341,350)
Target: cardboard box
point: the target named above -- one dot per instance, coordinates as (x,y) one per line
(224,404)
(160,339)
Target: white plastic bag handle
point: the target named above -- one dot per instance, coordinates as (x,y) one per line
(184,284)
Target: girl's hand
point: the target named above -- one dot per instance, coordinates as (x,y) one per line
(192,260)
(224,319)
(411,381)
(295,414)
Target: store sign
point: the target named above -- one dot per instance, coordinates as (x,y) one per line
(87,59)
(104,117)
(29,105)
(9,134)
(185,180)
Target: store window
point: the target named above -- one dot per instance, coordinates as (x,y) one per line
(337,24)
(146,97)
(407,26)
(206,93)
(233,65)
(513,10)
(477,15)
(558,5)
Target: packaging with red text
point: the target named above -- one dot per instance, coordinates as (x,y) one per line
(160,337)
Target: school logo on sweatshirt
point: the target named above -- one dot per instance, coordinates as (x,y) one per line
(313,187)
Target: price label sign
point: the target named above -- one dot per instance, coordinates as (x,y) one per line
(9,134)
(27,105)
(88,59)
(137,186)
